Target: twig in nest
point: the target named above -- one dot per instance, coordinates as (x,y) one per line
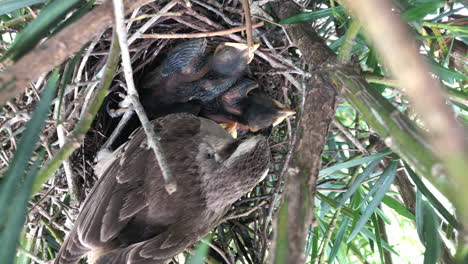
(150,22)
(248,24)
(201,34)
(153,139)
(154,15)
(248,212)
(350,136)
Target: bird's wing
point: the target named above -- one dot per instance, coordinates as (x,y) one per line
(152,251)
(184,58)
(119,193)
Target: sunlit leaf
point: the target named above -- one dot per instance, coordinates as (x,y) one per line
(422,10)
(430,225)
(398,207)
(431,198)
(357,183)
(352,163)
(338,239)
(388,176)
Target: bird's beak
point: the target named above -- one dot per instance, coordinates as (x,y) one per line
(254,129)
(282,113)
(243,47)
(231,128)
(251,87)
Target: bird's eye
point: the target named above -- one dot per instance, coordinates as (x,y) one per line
(210,155)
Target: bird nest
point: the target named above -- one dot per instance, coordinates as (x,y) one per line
(246,233)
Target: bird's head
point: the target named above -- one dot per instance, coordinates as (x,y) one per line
(230,167)
(231,58)
(262,111)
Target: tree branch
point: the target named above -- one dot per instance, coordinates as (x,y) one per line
(54,51)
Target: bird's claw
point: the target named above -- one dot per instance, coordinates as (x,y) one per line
(117,112)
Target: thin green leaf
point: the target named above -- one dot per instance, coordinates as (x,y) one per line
(367,233)
(338,240)
(352,163)
(389,176)
(27,242)
(315,246)
(419,216)
(398,207)
(66,79)
(383,216)
(375,188)
(6,6)
(445,74)
(345,210)
(431,234)
(47,19)
(309,16)
(431,198)
(27,145)
(378,236)
(17,212)
(357,183)
(76,15)
(422,10)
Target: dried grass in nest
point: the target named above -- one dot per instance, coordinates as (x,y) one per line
(245,238)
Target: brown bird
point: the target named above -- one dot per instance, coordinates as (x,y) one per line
(129,217)
(239,111)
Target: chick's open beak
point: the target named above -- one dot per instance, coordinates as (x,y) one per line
(243,47)
(283,112)
(231,128)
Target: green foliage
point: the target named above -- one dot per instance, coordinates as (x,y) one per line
(422,10)
(47,19)
(7,6)
(359,203)
(17,184)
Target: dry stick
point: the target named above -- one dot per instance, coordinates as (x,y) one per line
(248,24)
(150,22)
(350,136)
(217,12)
(218,250)
(153,139)
(246,213)
(123,121)
(179,13)
(201,34)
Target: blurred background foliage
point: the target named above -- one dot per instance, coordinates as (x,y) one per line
(371,206)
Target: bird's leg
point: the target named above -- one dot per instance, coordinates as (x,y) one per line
(122,123)
(127,111)
(125,105)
